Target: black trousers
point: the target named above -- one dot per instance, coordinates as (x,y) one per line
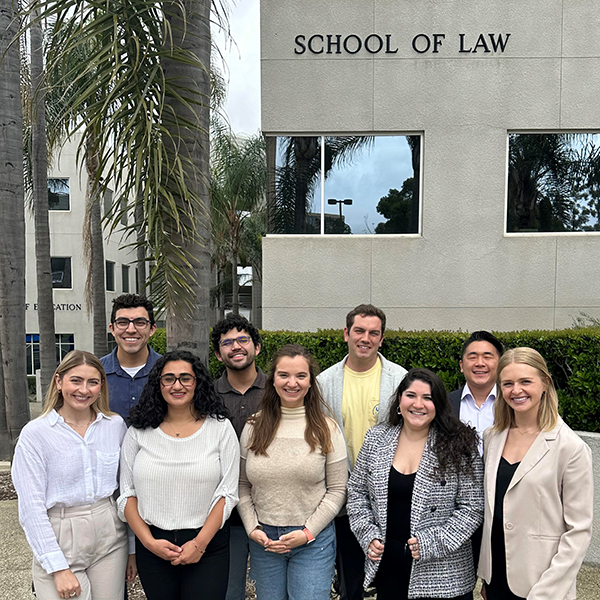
(349,561)
(204,580)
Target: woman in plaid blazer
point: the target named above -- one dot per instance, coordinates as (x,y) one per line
(415,496)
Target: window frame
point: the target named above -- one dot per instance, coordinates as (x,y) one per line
(517,234)
(419,233)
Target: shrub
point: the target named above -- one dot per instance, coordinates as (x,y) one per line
(573,356)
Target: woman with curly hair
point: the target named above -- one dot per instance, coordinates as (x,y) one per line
(292,483)
(415,496)
(179,477)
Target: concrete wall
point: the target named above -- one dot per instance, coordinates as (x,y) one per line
(463,271)
(593,441)
(66,231)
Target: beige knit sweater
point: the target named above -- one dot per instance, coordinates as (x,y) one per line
(292,486)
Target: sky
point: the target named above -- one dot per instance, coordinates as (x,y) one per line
(370,176)
(243,66)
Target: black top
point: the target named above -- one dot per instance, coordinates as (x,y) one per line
(400,489)
(498,587)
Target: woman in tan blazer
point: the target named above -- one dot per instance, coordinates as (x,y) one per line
(538,489)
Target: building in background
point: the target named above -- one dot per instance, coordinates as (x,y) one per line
(66,197)
(466,135)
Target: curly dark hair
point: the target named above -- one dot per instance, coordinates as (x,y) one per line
(150,411)
(455,444)
(232,321)
(132,301)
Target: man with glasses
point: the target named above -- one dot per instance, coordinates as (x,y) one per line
(127,366)
(236,343)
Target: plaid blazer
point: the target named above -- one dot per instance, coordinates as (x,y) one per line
(444,514)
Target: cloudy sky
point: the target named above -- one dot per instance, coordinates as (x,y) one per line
(369,177)
(243,67)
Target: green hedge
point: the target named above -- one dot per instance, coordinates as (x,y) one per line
(573,356)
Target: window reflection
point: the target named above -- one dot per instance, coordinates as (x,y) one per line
(371,185)
(553,182)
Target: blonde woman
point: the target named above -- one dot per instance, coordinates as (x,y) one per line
(538,486)
(65,473)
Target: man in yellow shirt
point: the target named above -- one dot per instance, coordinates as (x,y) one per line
(359,390)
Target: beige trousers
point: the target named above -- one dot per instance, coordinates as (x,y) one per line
(94,542)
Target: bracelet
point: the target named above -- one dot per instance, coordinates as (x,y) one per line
(201,551)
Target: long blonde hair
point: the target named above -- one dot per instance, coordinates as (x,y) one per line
(504,415)
(75,358)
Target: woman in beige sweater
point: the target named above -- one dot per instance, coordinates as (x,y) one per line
(292,483)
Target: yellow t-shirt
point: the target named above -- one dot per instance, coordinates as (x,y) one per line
(360,405)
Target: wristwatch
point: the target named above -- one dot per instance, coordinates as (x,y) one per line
(310,538)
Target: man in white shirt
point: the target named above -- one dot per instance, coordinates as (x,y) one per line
(473,403)
(359,391)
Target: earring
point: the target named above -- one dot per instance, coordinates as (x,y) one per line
(398,411)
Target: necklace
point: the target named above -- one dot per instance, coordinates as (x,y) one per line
(536,431)
(182,427)
(79,426)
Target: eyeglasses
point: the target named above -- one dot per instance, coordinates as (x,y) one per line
(186,380)
(242,340)
(123,323)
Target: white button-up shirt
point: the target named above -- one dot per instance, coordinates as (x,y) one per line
(54,466)
(479,417)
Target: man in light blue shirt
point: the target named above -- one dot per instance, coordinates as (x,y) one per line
(473,403)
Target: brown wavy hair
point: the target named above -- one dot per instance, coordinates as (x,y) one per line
(265,423)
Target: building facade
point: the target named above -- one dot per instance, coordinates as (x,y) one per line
(471,79)
(73,325)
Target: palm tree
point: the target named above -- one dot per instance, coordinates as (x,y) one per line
(14,399)
(151,65)
(39,173)
(238,187)
(297,177)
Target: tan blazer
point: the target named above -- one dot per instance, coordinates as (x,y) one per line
(547,513)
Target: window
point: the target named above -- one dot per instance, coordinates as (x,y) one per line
(65,342)
(125,279)
(553,182)
(110,276)
(61,272)
(58,194)
(371,185)
(108,201)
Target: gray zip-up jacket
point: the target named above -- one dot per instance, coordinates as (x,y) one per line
(331,382)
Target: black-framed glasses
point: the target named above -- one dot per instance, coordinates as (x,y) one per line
(186,380)
(138,323)
(242,340)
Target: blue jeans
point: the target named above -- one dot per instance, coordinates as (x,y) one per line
(238,563)
(304,573)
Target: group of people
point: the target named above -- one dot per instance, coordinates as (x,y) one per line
(365,469)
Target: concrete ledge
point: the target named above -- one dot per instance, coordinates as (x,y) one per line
(593,441)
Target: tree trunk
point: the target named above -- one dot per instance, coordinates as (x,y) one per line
(14,400)
(305,148)
(271,152)
(256,299)
(221,294)
(94,250)
(140,271)
(235,286)
(39,164)
(190,330)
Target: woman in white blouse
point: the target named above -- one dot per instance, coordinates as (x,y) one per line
(65,473)
(179,477)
